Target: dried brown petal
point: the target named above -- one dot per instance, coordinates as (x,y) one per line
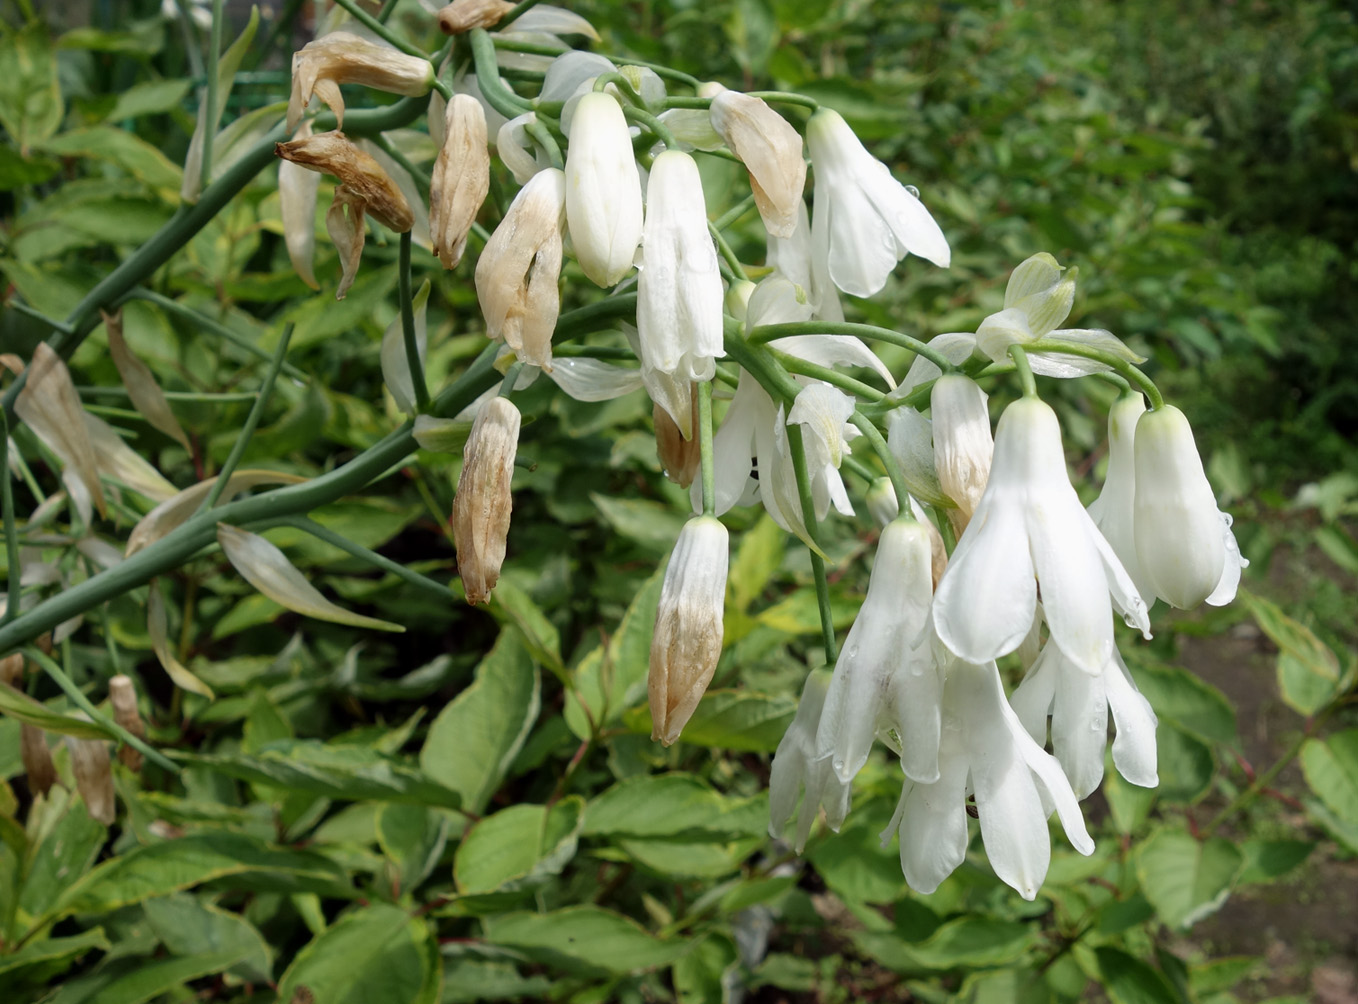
(772,151)
(483,503)
(462,16)
(344,224)
(517,273)
(37,758)
(141,385)
(94,777)
(12,669)
(360,175)
(51,407)
(461,178)
(343,58)
(122,694)
(679,457)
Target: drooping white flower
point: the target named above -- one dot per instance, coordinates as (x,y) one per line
(962,444)
(984,751)
(1112,510)
(797,766)
(679,291)
(1037,299)
(1030,530)
(603,190)
(1184,544)
(1079,705)
(864,220)
(791,257)
(885,679)
(686,644)
(771,151)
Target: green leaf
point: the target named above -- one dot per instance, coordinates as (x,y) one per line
(510,603)
(1186,765)
(760,554)
(856,866)
(650,525)
(612,679)
(1266,860)
(149,97)
(668,805)
(699,976)
(709,858)
(64,843)
(584,939)
(799,612)
(30,94)
(122,149)
(1308,671)
(1331,769)
(962,943)
(414,838)
(1178,696)
(739,720)
(518,847)
(378,953)
(151,979)
(189,927)
(1184,879)
(470,981)
(172,865)
(351,773)
(36,960)
(1128,980)
(21,707)
(475,738)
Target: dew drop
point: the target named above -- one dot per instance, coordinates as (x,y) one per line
(912,190)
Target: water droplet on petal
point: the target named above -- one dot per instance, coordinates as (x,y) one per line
(912,190)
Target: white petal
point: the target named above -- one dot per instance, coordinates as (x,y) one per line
(956,346)
(1033,275)
(1074,586)
(1080,728)
(1226,588)
(986,599)
(834,350)
(913,226)
(862,247)
(592,379)
(555,21)
(1047,363)
(1134,750)
(1032,699)
(999,331)
(932,820)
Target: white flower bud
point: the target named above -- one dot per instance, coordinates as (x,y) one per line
(516,275)
(962,444)
(603,190)
(342,58)
(688,626)
(483,503)
(461,178)
(772,151)
(1177,526)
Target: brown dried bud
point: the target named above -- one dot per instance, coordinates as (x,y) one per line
(122,694)
(517,273)
(461,178)
(679,457)
(94,777)
(360,175)
(341,58)
(772,152)
(344,224)
(462,16)
(12,669)
(483,503)
(688,626)
(37,759)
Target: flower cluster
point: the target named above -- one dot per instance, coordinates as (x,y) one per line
(1033,573)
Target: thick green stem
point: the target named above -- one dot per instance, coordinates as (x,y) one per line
(734,213)
(893,469)
(787,98)
(795,364)
(251,423)
(520,9)
(767,332)
(707,459)
(543,138)
(501,98)
(408,326)
(727,254)
(1116,363)
(623,85)
(645,118)
(1024,371)
(827,625)
(379,29)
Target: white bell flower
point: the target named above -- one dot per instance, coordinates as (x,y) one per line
(986,752)
(797,766)
(1030,530)
(603,190)
(1037,299)
(962,444)
(864,220)
(1079,705)
(679,290)
(1184,542)
(823,413)
(885,679)
(1112,510)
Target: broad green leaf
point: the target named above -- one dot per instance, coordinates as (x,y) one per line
(475,738)
(759,555)
(172,865)
(518,847)
(856,866)
(23,708)
(36,960)
(740,720)
(1129,804)
(1308,671)
(650,525)
(350,773)
(1178,696)
(700,975)
(30,95)
(612,678)
(227,65)
(1331,769)
(123,149)
(1266,860)
(268,569)
(379,953)
(1185,879)
(708,858)
(189,927)
(585,939)
(510,603)
(1220,975)
(471,981)
(1128,980)
(799,612)
(668,805)
(966,942)
(1186,765)
(61,852)
(148,98)
(413,837)
(151,979)
(1006,986)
